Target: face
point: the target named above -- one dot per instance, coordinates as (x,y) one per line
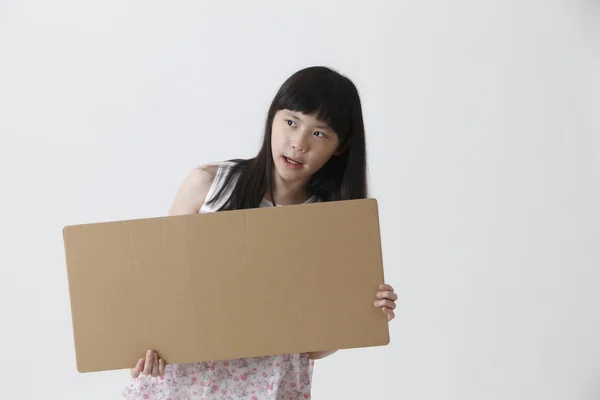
(301,145)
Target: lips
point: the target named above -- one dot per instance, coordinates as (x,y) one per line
(291,163)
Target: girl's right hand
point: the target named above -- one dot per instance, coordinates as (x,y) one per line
(151,365)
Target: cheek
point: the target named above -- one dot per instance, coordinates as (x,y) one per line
(322,156)
(276,139)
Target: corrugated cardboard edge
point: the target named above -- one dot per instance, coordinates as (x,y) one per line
(65,232)
(375,205)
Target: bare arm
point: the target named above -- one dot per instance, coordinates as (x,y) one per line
(192,192)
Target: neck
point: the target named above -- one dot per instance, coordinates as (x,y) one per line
(288,193)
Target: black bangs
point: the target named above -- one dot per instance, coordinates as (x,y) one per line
(322,91)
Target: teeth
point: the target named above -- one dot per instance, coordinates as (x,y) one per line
(292,161)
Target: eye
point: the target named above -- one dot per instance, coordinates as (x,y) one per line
(290,122)
(317,133)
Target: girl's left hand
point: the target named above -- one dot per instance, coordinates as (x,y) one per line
(387,300)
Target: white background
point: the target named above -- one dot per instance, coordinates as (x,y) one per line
(483,128)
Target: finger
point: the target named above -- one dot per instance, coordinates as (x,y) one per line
(388,295)
(135,372)
(390,313)
(386,287)
(161,367)
(149,361)
(155,366)
(386,303)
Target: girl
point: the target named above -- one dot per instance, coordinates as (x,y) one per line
(313,150)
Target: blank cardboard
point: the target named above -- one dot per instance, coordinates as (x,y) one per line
(226,285)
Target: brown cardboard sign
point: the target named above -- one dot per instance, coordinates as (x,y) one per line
(226,285)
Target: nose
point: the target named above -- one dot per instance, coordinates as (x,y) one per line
(300,143)
(298,147)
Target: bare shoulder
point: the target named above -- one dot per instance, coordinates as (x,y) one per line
(202,175)
(193,190)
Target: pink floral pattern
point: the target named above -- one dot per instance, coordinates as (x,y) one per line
(282,377)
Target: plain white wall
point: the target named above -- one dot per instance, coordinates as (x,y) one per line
(483,126)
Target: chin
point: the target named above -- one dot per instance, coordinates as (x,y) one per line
(290,175)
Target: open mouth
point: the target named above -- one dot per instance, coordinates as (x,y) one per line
(291,162)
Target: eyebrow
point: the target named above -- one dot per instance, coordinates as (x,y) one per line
(295,116)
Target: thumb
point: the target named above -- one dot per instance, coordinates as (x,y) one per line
(137,370)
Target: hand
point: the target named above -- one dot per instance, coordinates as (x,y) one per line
(151,365)
(387,300)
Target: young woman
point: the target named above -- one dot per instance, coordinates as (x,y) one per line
(313,150)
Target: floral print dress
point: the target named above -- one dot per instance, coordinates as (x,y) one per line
(282,377)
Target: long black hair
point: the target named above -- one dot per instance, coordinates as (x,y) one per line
(344,177)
